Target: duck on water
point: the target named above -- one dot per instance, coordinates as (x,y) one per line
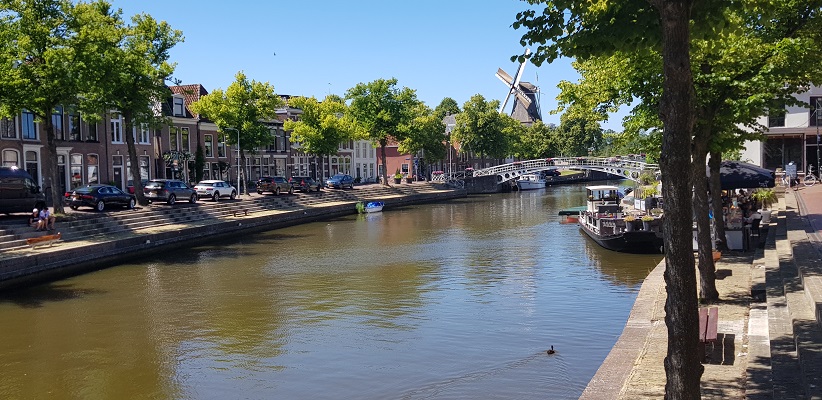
(619,228)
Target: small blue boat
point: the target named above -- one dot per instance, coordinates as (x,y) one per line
(374,206)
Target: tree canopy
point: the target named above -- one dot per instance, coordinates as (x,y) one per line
(242,112)
(322,126)
(382,111)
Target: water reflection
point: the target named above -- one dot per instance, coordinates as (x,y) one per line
(453,300)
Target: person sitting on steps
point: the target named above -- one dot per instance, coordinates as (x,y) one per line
(47,220)
(34,218)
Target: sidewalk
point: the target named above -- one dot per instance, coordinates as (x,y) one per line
(756,353)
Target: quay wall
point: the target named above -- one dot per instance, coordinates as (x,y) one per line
(75,257)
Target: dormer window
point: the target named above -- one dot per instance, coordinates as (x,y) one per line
(179,110)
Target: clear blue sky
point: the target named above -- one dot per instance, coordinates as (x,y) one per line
(447,48)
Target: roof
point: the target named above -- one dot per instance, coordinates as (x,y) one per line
(190,93)
(602,187)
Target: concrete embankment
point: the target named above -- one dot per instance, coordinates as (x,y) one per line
(26,266)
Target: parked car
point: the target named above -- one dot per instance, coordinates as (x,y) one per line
(99,197)
(274,184)
(552,172)
(169,190)
(19,192)
(215,189)
(130,185)
(340,181)
(304,183)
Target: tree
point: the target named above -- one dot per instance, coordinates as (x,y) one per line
(136,68)
(199,162)
(481,128)
(382,111)
(578,136)
(322,125)
(241,112)
(48,57)
(447,106)
(740,74)
(425,136)
(536,141)
(582,30)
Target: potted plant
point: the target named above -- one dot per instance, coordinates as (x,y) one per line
(646,222)
(397,177)
(629,222)
(766,197)
(409,178)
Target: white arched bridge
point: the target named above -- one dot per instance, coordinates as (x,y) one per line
(623,166)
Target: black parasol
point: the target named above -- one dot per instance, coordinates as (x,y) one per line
(741,175)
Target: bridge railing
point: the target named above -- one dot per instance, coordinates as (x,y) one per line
(621,166)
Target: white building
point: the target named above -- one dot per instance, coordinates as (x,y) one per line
(793,135)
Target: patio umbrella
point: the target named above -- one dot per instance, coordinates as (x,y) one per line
(741,175)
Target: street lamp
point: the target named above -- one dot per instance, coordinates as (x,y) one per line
(239,188)
(818,144)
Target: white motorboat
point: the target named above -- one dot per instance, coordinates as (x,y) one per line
(530,182)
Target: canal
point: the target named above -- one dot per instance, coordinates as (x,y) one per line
(455,300)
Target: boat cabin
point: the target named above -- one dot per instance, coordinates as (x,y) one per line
(603,200)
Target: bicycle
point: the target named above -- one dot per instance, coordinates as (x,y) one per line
(809,179)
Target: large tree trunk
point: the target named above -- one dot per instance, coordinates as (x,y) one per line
(48,161)
(383,142)
(716,200)
(707,270)
(682,362)
(134,168)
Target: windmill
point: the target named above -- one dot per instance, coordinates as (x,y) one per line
(526,103)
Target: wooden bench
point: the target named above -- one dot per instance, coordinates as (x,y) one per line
(707,327)
(44,240)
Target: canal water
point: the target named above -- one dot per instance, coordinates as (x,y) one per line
(458,300)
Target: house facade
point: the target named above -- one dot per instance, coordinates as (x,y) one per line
(91,152)
(793,135)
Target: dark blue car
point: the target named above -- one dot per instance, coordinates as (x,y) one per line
(340,181)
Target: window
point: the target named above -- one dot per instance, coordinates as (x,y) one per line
(221,146)
(405,168)
(209,146)
(11,158)
(216,172)
(174,139)
(92,132)
(814,116)
(178,107)
(92,169)
(184,145)
(142,134)
(7,130)
(776,114)
(207,171)
(57,121)
(74,125)
(31,165)
(116,128)
(76,170)
(27,125)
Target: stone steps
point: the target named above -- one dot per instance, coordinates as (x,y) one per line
(159,214)
(794,323)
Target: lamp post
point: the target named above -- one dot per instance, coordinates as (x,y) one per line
(239,188)
(818,144)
